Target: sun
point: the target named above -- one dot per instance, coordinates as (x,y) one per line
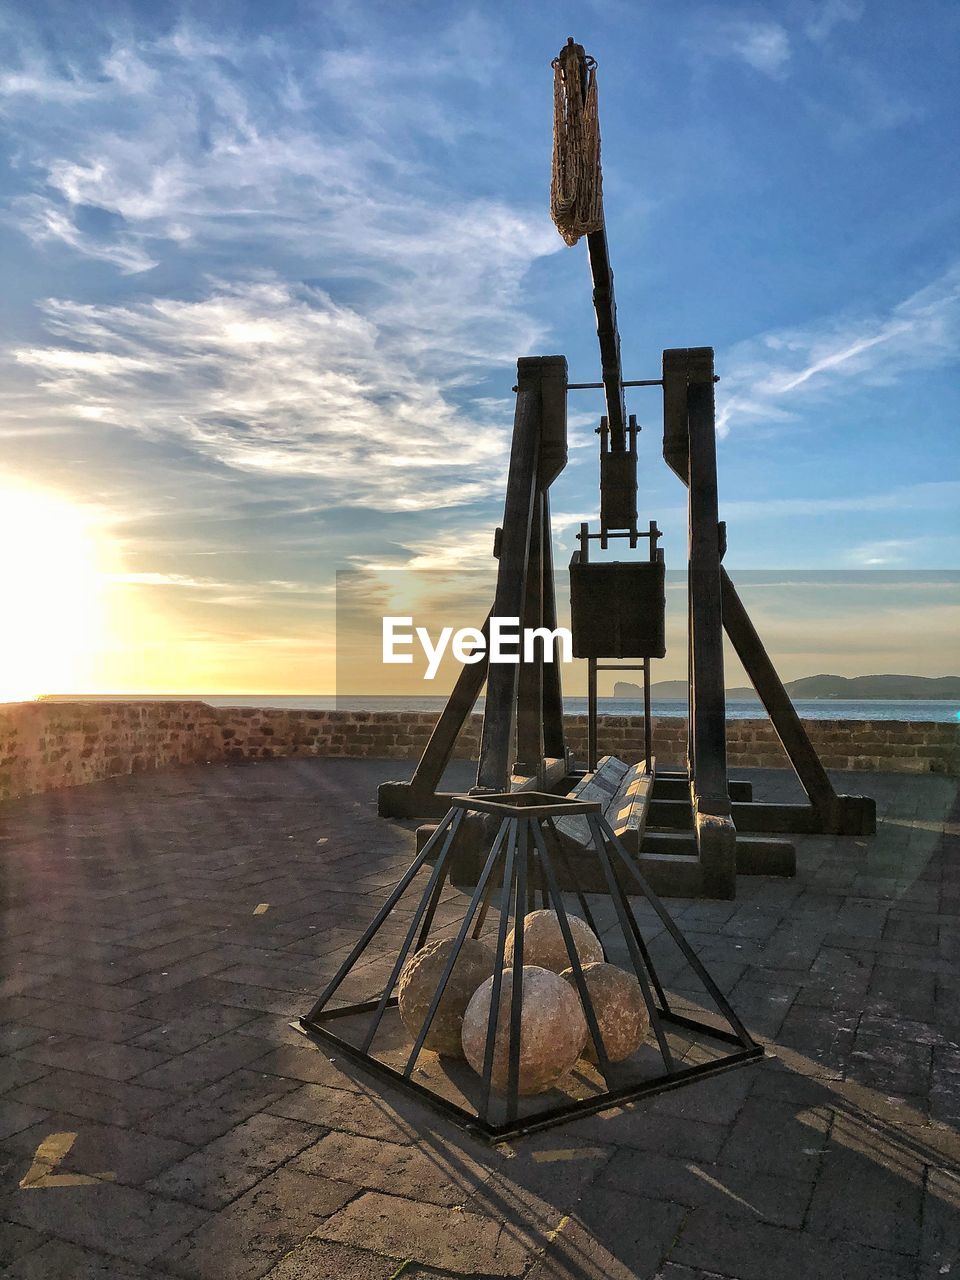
(51,593)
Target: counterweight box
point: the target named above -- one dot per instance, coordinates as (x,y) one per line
(617,609)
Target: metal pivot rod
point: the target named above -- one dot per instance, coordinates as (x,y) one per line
(490,1101)
(627,382)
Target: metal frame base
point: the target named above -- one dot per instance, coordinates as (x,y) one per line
(325,1039)
(519,867)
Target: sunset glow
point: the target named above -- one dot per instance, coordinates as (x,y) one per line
(270,275)
(52,593)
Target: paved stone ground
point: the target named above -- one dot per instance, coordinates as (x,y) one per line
(144,1008)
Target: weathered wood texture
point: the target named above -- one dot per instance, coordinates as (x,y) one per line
(499,717)
(530,675)
(554,745)
(605,306)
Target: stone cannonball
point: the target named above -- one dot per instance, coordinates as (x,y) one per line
(552,1030)
(419,979)
(543,943)
(620,1008)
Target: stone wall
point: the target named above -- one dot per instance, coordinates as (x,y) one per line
(47,745)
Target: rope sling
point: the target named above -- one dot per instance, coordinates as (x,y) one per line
(576,185)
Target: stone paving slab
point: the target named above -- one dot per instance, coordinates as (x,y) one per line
(105,1217)
(128,1155)
(234,1162)
(428,1175)
(466,1243)
(145,1008)
(318,1259)
(57,1258)
(610,1234)
(99,1098)
(258,1228)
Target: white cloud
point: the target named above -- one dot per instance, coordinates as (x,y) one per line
(45,222)
(153,579)
(35,81)
(275,594)
(269,379)
(247,151)
(563,521)
(211,140)
(826,15)
(885,552)
(472,549)
(764,46)
(766,379)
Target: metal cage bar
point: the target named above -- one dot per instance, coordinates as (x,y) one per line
(525,850)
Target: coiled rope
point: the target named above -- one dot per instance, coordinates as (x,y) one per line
(576,185)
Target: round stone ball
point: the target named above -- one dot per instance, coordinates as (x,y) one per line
(543,943)
(419,979)
(552,1029)
(620,1008)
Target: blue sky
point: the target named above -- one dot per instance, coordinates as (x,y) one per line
(268,270)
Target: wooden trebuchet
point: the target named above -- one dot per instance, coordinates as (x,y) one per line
(692,830)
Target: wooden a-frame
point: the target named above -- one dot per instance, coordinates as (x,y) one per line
(522,743)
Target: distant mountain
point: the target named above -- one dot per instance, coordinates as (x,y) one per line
(674,691)
(666,690)
(858,687)
(853,688)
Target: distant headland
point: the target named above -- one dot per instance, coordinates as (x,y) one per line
(854,688)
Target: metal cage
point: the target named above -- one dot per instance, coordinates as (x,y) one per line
(523,863)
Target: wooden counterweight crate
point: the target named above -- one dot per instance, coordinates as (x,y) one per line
(617,609)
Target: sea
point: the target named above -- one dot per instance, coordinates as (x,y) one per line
(808,709)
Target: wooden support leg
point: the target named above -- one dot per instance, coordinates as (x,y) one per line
(716,834)
(499,718)
(419,798)
(538,455)
(554,745)
(836,814)
(529,761)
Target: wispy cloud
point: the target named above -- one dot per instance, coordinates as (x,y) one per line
(44,222)
(374,380)
(863,103)
(825,15)
(236,149)
(936,495)
(766,379)
(165,580)
(847,95)
(885,552)
(270,379)
(289,597)
(36,81)
(762,45)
